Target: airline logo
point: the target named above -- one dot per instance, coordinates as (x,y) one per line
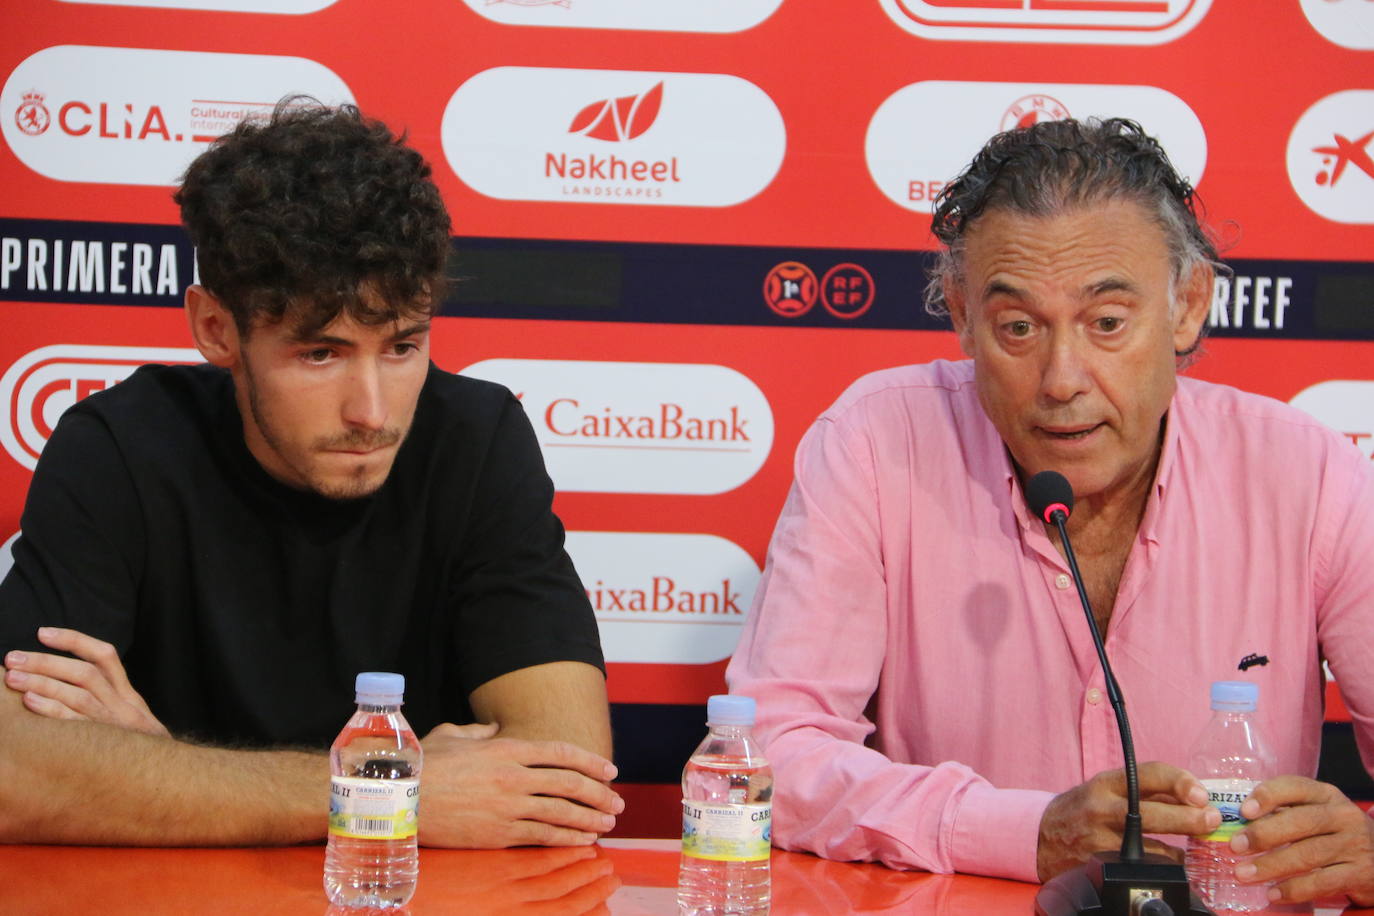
(612,136)
(670,16)
(1347,406)
(1120,22)
(42,384)
(1331,156)
(294,7)
(665,598)
(7,555)
(1348,23)
(138,116)
(923,135)
(613,427)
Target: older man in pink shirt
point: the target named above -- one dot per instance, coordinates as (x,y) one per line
(928,690)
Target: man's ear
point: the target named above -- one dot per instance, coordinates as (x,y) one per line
(958,313)
(212,327)
(1194,303)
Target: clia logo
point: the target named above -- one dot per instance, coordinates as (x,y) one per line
(32,115)
(620,119)
(42,384)
(1329,157)
(1032,109)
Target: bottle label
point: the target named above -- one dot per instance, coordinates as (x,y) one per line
(374,809)
(726,833)
(1227,795)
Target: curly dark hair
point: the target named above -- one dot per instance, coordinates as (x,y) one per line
(315,212)
(1056,165)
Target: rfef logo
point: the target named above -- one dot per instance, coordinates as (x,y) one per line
(1348,23)
(1345,405)
(660,16)
(665,598)
(610,136)
(1329,156)
(616,427)
(847,290)
(138,116)
(924,134)
(42,384)
(1117,22)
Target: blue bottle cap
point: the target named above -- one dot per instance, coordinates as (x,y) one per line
(729,710)
(1235,696)
(379,688)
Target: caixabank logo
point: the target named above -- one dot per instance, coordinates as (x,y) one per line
(665,598)
(670,16)
(1122,22)
(1345,405)
(924,134)
(42,384)
(139,116)
(614,427)
(613,136)
(1331,156)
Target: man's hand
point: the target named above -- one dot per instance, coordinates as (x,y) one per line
(482,792)
(91,686)
(1316,842)
(1088,818)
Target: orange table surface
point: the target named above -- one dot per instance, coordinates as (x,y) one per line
(617,877)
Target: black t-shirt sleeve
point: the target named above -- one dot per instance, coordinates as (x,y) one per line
(77,558)
(518,600)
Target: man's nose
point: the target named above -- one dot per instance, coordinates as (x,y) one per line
(364,404)
(1066,374)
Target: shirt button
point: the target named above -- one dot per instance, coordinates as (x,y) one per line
(1062,581)
(1094,696)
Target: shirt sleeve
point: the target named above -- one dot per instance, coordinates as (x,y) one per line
(813,650)
(77,559)
(1345,586)
(517,596)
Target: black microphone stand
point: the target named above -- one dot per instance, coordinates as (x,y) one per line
(1131,882)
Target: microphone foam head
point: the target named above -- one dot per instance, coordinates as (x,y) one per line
(1047,491)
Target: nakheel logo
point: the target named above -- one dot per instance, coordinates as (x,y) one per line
(286,7)
(1116,22)
(608,136)
(658,15)
(665,598)
(1348,23)
(42,384)
(614,427)
(924,134)
(1329,156)
(137,116)
(1347,406)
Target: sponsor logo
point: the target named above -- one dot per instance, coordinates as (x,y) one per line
(138,116)
(1329,156)
(614,427)
(847,290)
(671,16)
(911,162)
(42,384)
(1348,23)
(89,266)
(584,136)
(665,598)
(790,289)
(1122,22)
(289,7)
(1346,406)
(1256,302)
(7,555)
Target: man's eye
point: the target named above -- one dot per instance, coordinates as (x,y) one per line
(317,356)
(1018,328)
(1108,323)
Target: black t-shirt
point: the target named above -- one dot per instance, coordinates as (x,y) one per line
(243,608)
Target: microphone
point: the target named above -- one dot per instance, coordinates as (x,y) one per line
(1130,882)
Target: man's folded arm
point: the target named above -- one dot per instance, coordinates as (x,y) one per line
(90,783)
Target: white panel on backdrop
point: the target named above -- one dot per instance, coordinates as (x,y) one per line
(621,427)
(922,135)
(1345,405)
(7,554)
(613,136)
(689,16)
(1117,22)
(1348,23)
(665,598)
(289,7)
(43,383)
(139,116)
(1331,156)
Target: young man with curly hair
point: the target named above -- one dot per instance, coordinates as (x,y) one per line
(211,553)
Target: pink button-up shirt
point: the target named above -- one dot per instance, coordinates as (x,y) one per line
(925,678)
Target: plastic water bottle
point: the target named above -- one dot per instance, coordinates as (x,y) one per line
(372,859)
(727,817)
(1230,759)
